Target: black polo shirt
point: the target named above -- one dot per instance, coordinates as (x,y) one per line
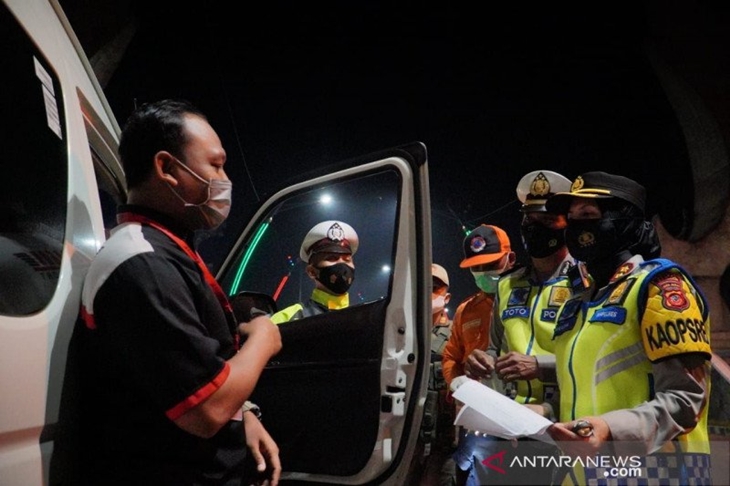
(153,339)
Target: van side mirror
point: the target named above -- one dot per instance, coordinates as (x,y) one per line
(248,304)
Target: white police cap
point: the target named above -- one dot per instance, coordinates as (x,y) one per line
(535,188)
(331,237)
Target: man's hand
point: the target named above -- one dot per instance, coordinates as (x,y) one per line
(479,365)
(264,451)
(264,331)
(516,366)
(583,442)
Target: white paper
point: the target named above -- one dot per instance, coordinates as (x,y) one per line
(492,413)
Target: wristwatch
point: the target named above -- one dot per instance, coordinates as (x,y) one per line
(251,407)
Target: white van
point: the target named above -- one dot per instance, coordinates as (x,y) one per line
(343,400)
(61,179)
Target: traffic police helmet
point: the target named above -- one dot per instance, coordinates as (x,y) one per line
(331,237)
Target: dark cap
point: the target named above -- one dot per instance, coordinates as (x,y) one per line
(599,185)
(485,244)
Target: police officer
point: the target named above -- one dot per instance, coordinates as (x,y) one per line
(328,249)
(632,350)
(528,299)
(525,309)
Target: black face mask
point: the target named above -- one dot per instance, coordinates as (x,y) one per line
(337,278)
(590,240)
(541,241)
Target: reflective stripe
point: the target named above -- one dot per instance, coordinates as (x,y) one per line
(634,355)
(637,358)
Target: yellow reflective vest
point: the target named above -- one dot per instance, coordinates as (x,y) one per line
(605,348)
(526,312)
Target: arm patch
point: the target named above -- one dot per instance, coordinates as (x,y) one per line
(673,323)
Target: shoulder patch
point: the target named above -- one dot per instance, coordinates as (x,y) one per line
(673,295)
(673,323)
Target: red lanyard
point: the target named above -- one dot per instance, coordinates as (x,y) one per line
(209,278)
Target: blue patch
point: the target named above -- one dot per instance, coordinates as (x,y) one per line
(549,314)
(567,317)
(512,312)
(518,296)
(614,315)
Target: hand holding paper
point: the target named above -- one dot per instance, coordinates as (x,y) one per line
(492,413)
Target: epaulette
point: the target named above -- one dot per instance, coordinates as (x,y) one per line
(578,276)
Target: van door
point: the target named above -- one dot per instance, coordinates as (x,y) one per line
(344,397)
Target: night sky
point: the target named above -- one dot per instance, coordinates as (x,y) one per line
(492,92)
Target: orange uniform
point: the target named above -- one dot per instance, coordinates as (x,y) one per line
(469,331)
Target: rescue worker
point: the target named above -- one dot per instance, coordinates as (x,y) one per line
(524,314)
(328,249)
(633,349)
(487,254)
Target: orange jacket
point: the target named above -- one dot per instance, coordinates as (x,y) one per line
(469,331)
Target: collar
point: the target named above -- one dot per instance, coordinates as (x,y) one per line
(331,302)
(560,270)
(157,216)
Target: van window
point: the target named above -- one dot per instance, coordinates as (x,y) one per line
(270,263)
(34,173)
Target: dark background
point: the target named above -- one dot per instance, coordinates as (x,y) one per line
(492,91)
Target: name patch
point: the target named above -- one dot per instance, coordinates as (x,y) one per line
(549,315)
(614,315)
(511,312)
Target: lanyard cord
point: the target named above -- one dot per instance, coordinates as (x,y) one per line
(128,217)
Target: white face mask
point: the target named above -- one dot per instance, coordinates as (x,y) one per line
(216,207)
(438,304)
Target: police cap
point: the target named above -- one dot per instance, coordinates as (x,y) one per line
(536,187)
(330,237)
(599,185)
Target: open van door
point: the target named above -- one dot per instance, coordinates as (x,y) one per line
(344,397)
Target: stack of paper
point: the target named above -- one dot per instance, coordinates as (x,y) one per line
(492,413)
